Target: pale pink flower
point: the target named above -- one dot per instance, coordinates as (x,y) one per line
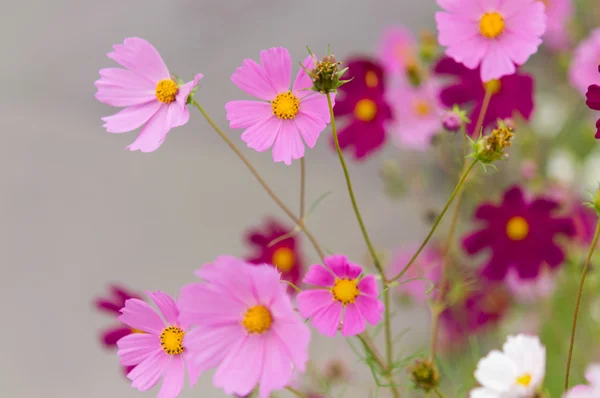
(342,296)
(559,13)
(145,88)
(285,117)
(157,348)
(421,275)
(592,374)
(397,49)
(244,326)
(418,115)
(492,33)
(586,60)
(528,290)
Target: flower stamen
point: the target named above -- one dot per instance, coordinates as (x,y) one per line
(517,228)
(258,319)
(283,259)
(345,291)
(286,105)
(365,110)
(166,90)
(171,340)
(491,25)
(524,380)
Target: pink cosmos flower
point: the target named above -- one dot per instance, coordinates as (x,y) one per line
(427,265)
(592,375)
(159,351)
(397,50)
(151,97)
(285,116)
(492,33)
(417,115)
(559,13)
(584,68)
(245,326)
(342,291)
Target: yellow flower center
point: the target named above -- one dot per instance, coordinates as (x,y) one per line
(166,91)
(517,228)
(491,25)
(283,259)
(257,319)
(171,340)
(365,110)
(494,86)
(524,380)
(371,79)
(421,108)
(345,291)
(286,105)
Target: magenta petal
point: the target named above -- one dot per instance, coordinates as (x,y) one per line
(262,135)
(140,315)
(136,347)
(327,320)
(139,56)
(277,369)
(166,305)
(319,276)
(112,335)
(342,268)
(310,302)
(295,336)
(240,371)
(243,114)
(130,118)
(174,378)
(288,144)
(370,308)
(354,322)
(252,78)
(148,372)
(277,64)
(368,285)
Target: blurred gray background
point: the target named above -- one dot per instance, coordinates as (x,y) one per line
(79,211)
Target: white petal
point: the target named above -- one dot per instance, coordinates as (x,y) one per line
(496,371)
(528,355)
(592,374)
(483,392)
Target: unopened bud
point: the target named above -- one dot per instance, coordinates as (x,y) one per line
(326,75)
(492,147)
(424,375)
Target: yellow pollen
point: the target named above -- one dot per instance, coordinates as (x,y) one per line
(257,319)
(524,380)
(286,105)
(517,228)
(171,340)
(491,25)
(421,108)
(166,91)
(134,330)
(284,259)
(494,86)
(371,79)
(365,110)
(345,291)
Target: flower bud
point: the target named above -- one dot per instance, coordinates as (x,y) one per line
(424,375)
(326,75)
(491,148)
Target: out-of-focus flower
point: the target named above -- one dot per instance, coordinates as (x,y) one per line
(285,254)
(363,104)
(583,71)
(592,374)
(341,290)
(151,97)
(242,317)
(398,53)
(510,94)
(336,371)
(516,371)
(493,35)
(492,147)
(160,350)
(453,120)
(593,101)
(559,13)
(529,290)
(561,166)
(426,266)
(520,234)
(417,115)
(424,375)
(529,169)
(284,117)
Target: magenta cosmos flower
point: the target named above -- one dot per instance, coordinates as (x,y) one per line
(520,234)
(510,94)
(245,326)
(112,304)
(419,278)
(559,13)
(285,116)
(343,297)
(495,34)
(417,115)
(583,71)
(593,101)
(285,254)
(160,350)
(397,50)
(363,105)
(151,97)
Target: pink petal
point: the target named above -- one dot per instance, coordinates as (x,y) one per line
(140,315)
(471,8)
(186,89)
(316,107)
(112,335)
(194,371)
(141,57)
(166,305)
(303,82)
(147,373)
(240,371)
(243,114)
(262,135)
(518,49)
(122,96)
(354,322)
(288,143)
(230,274)
(368,285)
(136,347)
(125,79)
(470,52)
(310,302)
(309,128)
(155,131)
(174,378)
(130,118)
(277,64)
(253,79)
(370,308)
(529,22)
(455,29)
(295,337)
(277,368)
(496,63)
(208,346)
(327,320)
(342,268)
(266,281)
(319,276)
(204,305)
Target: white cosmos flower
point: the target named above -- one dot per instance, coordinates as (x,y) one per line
(516,372)
(592,374)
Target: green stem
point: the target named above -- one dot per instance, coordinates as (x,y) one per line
(578,302)
(438,392)
(295,392)
(262,182)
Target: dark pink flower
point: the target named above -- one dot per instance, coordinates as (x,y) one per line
(593,101)
(520,234)
(511,94)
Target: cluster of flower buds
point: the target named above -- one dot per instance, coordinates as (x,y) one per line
(491,148)
(326,75)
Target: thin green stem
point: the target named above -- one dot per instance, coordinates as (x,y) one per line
(372,350)
(262,182)
(578,302)
(295,392)
(302,187)
(438,392)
